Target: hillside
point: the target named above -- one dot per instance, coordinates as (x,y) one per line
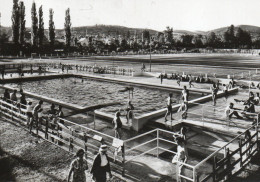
(105,29)
(253,30)
(121,30)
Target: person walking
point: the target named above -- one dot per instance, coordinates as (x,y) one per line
(78,167)
(101,166)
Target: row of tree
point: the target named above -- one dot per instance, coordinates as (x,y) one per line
(37,27)
(162,40)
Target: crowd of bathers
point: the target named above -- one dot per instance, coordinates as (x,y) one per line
(185,78)
(94,69)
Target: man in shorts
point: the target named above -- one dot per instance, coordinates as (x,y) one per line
(169,107)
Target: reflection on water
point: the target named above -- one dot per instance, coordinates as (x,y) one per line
(92,92)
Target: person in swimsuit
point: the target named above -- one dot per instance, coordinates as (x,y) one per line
(182,153)
(169,107)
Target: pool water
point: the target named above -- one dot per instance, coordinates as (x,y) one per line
(87,92)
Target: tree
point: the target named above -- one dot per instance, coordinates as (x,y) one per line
(229,37)
(67,26)
(187,40)
(198,41)
(15,22)
(145,36)
(22,22)
(243,38)
(51,29)
(34,28)
(41,27)
(128,35)
(168,34)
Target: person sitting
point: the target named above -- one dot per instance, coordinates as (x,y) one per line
(230,111)
(251,108)
(257,99)
(252,85)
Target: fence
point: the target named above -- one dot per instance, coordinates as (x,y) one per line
(156,140)
(63,133)
(233,161)
(71,136)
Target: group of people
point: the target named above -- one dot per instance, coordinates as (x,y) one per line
(99,170)
(183,107)
(34,113)
(185,78)
(249,107)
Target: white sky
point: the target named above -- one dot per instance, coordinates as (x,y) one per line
(155,14)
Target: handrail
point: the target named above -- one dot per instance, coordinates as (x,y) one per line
(86,128)
(141,154)
(138,136)
(140,145)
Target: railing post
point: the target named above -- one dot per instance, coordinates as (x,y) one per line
(157,143)
(240,152)
(195,179)
(257,121)
(177,172)
(214,169)
(123,161)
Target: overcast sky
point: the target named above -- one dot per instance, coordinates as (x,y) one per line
(155,14)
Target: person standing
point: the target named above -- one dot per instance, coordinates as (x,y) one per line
(129,111)
(169,107)
(101,166)
(36,110)
(78,167)
(23,101)
(29,114)
(13,96)
(214,90)
(117,125)
(182,153)
(185,94)
(6,95)
(161,77)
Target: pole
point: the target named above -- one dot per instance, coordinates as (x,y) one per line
(157,143)
(150,59)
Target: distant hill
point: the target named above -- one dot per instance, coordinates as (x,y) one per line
(106,29)
(253,30)
(121,30)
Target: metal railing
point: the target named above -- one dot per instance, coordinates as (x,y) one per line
(157,140)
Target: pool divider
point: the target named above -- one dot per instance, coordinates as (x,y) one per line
(140,121)
(140,84)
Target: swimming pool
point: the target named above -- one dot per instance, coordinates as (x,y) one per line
(87,92)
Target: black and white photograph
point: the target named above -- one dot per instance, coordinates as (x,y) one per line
(129,90)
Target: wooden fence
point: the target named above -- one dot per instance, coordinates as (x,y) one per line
(65,134)
(234,161)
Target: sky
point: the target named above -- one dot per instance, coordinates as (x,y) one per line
(190,15)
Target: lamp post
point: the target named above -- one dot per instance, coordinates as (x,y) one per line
(150,58)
